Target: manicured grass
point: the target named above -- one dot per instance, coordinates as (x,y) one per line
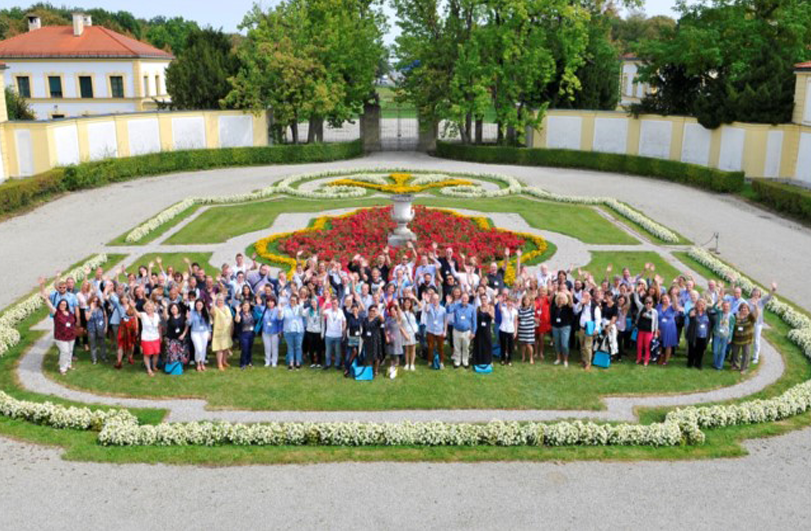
(175,260)
(158,232)
(219,224)
(542,386)
(633,260)
(578,221)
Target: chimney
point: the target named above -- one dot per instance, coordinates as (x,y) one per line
(88,20)
(34,22)
(78,24)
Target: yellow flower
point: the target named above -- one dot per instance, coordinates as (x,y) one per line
(399,185)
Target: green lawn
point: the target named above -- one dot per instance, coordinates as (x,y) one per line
(222,223)
(640,230)
(522,386)
(633,260)
(219,224)
(175,260)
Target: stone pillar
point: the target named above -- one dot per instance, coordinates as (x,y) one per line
(370,127)
(427,131)
(3,110)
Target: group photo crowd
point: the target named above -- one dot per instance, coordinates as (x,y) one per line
(378,310)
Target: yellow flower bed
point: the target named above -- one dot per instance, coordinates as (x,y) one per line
(320,223)
(399,185)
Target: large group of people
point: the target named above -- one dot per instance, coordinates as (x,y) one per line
(373,309)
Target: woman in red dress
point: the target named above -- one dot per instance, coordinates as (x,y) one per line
(543,318)
(127,335)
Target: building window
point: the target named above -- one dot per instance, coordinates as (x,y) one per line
(117,86)
(55,86)
(146,85)
(158,86)
(86,86)
(57,116)
(24,86)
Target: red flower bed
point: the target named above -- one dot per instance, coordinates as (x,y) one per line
(365,232)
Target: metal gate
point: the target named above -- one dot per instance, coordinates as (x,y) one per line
(399,130)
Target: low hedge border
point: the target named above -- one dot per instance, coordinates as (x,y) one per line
(16,194)
(669,170)
(784,198)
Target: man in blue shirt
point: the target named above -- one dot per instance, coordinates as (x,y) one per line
(463,318)
(435,329)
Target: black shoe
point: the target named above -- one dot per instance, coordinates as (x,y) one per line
(326,368)
(289,367)
(456,365)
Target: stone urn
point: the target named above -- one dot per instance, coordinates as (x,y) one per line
(402,214)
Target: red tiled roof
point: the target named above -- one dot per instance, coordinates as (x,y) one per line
(59,41)
(630,57)
(803,66)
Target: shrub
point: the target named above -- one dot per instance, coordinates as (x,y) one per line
(785,198)
(670,170)
(18,193)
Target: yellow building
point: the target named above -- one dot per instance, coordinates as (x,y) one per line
(81,70)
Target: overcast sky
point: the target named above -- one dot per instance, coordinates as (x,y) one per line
(228,15)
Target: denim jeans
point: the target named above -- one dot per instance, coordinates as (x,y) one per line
(333,344)
(293,341)
(719,351)
(98,345)
(560,336)
(246,345)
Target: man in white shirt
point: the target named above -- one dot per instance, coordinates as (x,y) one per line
(589,317)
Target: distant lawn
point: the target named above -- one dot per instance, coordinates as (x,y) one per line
(523,386)
(221,223)
(175,260)
(633,260)
(638,228)
(158,232)
(578,221)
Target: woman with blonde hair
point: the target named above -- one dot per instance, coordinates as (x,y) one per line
(222,330)
(150,337)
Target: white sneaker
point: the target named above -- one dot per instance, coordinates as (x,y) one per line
(441,365)
(755,361)
(413,367)
(565,363)
(557,362)
(392,373)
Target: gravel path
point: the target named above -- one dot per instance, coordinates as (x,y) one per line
(766,490)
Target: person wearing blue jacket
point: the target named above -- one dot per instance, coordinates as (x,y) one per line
(270,324)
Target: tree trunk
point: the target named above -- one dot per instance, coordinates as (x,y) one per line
(468,128)
(294,130)
(479,131)
(511,135)
(499,134)
(315,133)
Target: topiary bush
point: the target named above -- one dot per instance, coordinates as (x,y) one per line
(784,198)
(19,193)
(670,170)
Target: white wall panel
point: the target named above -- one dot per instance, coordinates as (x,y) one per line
(731,156)
(611,135)
(807,112)
(803,171)
(655,137)
(188,133)
(144,136)
(696,146)
(66,138)
(25,152)
(774,151)
(102,140)
(563,132)
(236,131)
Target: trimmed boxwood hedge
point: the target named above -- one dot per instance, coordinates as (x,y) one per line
(670,170)
(784,198)
(18,193)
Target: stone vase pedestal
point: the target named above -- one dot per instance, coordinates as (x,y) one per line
(402,214)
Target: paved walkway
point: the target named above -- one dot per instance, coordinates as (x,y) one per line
(765,490)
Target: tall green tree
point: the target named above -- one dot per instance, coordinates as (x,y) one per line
(16,106)
(170,33)
(198,77)
(728,60)
(310,60)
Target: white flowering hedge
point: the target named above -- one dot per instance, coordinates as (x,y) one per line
(62,417)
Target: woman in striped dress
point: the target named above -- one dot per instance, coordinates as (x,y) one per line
(526,329)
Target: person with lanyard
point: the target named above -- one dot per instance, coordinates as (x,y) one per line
(247,323)
(408,321)
(562,317)
(354,324)
(151,336)
(270,326)
(743,335)
(257,278)
(96,319)
(590,317)
(668,312)
(372,334)
(435,316)
(200,326)
(483,341)
(463,319)
(292,314)
(177,329)
(64,329)
(736,299)
(723,323)
(698,334)
(647,322)
(508,328)
(333,330)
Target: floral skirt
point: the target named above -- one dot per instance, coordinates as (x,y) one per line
(176,351)
(127,337)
